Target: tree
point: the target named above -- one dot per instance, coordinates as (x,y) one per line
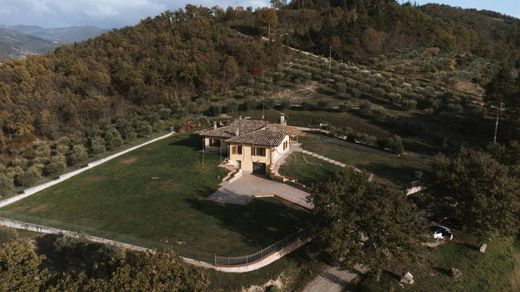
(230,71)
(97,145)
(162,271)
(484,194)
(20,268)
(57,165)
(267,20)
(362,222)
(78,154)
(6,184)
(30,177)
(278,4)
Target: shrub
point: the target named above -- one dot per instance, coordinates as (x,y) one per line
(6,184)
(397,144)
(285,104)
(78,154)
(57,165)
(62,148)
(13,172)
(232,106)
(30,177)
(21,162)
(341,88)
(97,145)
(215,110)
(43,150)
(322,104)
(117,141)
(130,136)
(144,129)
(307,106)
(365,107)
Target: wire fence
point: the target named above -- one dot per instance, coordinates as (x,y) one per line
(262,254)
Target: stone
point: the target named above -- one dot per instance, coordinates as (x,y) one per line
(483,248)
(455,273)
(407,278)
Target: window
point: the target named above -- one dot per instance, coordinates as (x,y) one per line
(236,150)
(285,144)
(258,151)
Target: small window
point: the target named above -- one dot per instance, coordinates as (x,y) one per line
(233,150)
(239,150)
(285,145)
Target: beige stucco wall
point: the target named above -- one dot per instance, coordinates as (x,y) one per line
(278,151)
(271,156)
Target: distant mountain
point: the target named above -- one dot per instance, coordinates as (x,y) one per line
(15,45)
(63,35)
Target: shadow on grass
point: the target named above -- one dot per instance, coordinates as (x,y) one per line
(442,271)
(466,245)
(261,223)
(193,141)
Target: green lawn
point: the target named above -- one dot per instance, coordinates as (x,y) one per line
(155,196)
(490,271)
(307,169)
(399,170)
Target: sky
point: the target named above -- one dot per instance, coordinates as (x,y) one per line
(117,13)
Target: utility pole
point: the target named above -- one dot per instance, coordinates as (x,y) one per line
(263,108)
(203,149)
(269,32)
(499,113)
(330,58)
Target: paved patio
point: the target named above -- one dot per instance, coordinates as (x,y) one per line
(249,186)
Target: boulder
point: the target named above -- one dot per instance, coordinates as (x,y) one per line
(455,273)
(483,248)
(407,278)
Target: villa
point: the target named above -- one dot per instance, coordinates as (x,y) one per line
(253,146)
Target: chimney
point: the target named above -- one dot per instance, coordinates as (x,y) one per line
(282,120)
(237,133)
(215,125)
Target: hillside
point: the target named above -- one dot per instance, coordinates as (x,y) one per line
(62,35)
(16,45)
(178,59)
(360,29)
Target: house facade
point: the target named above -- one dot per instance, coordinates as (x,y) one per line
(251,145)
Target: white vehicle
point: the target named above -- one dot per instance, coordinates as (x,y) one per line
(441,232)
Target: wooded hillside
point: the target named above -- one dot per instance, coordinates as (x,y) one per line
(166,60)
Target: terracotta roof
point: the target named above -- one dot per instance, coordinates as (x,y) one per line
(264,137)
(229,131)
(292,131)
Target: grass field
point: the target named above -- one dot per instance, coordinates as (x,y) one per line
(307,169)
(155,196)
(399,170)
(490,271)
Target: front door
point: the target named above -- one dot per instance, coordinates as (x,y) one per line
(259,168)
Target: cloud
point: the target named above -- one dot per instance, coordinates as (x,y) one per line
(105,13)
